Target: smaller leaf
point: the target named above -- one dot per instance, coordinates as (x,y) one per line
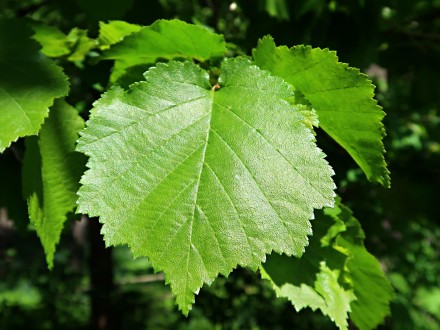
(51,174)
(114,31)
(336,274)
(164,40)
(325,293)
(372,289)
(29,83)
(80,43)
(277,9)
(55,43)
(341,96)
(310,117)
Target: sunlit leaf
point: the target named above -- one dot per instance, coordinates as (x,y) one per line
(201,179)
(164,40)
(342,97)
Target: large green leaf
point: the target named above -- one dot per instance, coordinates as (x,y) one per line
(29,83)
(342,97)
(51,174)
(164,40)
(336,274)
(201,179)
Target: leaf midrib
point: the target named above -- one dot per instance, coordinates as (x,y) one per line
(196,188)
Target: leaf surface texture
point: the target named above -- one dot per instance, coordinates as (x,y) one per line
(203,179)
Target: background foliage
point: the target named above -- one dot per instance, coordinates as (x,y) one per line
(395,42)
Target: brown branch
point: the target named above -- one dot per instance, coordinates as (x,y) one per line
(142,279)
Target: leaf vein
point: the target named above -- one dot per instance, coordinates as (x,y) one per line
(233,205)
(274,148)
(254,179)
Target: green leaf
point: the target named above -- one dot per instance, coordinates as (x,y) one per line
(315,280)
(325,294)
(336,274)
(55,43)
(201,179)
(277,9)
(372,289)
(51,174)
(164,40)
(114,31)
(310,116)
(342,97)
(80,44)
(29,83)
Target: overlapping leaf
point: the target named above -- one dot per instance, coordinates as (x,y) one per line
(201,179)
(324,292)
(164,40)
(342,97)
(29,83)
(114,31)
(336,274)
(372,290)
(53,42)
(51,174)
(73,46)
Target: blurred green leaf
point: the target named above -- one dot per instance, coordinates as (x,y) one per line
(276,8)
(53,42)
(23,295)
(74,46)
(429,299)
(51,174)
